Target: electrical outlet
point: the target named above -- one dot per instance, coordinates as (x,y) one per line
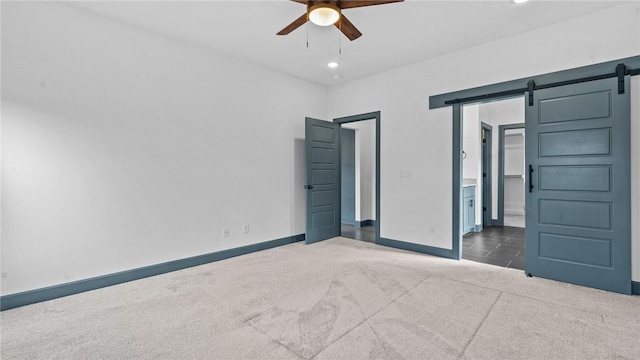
(405,173)
(225,232)
(245,228)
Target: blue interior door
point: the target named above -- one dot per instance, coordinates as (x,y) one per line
(322,152)
(578,188)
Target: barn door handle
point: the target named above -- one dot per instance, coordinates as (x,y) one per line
(530,178)
(308,187)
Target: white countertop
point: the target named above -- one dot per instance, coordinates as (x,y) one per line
(468,182)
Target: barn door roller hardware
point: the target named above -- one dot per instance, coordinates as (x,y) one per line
(620,72)
(531,85)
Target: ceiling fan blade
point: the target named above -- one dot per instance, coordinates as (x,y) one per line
(348,29)
(301,1)
(349,4)
(294,25)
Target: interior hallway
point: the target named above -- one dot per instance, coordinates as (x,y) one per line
(365,233)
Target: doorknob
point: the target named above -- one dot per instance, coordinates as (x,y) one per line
(308,187)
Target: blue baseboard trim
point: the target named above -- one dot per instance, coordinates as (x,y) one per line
(478,228)
(364,223)
(635,288)
(424,249)
(57,291)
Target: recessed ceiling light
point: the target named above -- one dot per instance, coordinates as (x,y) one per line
(520,1)
(333,64)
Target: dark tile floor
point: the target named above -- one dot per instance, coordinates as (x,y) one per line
(365,233)
(501,246)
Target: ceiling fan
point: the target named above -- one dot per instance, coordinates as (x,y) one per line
(329,12)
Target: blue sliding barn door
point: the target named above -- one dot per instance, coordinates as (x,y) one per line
(322,152)
(578,218)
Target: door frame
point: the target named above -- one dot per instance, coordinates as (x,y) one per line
(487,184)
(501,155)
(503,91)
(363,117)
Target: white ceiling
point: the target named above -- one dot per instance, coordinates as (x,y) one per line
(395,35)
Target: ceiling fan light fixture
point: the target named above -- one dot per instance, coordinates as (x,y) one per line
(324,14)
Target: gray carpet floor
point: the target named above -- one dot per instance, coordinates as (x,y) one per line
(337,299)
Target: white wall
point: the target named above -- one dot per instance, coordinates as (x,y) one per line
(472,145)
(496,113)
(365,168)
(122,149)
(414,137)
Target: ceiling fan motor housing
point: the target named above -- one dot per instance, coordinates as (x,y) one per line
(329,12)
(323,13)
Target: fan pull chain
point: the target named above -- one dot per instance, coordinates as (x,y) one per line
(307,31)
(340,38)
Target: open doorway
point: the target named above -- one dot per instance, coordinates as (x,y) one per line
(358,195)
(577,175)
(492,215)
(323,177)
(511,168)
